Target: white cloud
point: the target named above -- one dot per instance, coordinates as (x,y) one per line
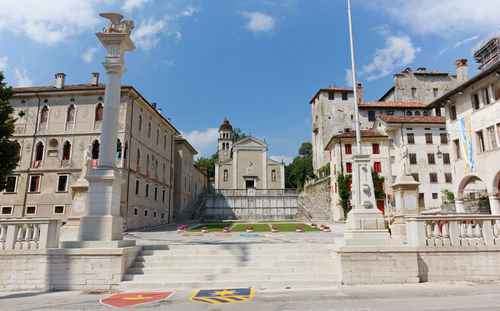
(348,77)
(48,23)
(130,5)
(259,22)
(204,142)
(398,52)
(88,56)
(284,158)
(22,77)
(147,34)
(189,11)
(459,43)
(3,63)
(442,17)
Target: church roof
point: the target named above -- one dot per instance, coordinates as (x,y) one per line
(225,126)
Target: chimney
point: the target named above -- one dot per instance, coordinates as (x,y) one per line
(59,80)
(359,89)
(95,78)
(421,70)
(160,110)
(462,70)
(153,105)
(169,120)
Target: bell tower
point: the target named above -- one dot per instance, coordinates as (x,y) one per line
(225,141)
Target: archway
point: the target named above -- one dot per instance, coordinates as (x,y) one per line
(471,195)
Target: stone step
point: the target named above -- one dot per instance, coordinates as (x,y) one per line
(232,252)
(165,286)
(234,257)
(249,277)
(262,246)
(232,263)
(157,270)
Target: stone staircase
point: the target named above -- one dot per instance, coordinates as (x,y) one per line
(193,266)
(316,213)
(187,214)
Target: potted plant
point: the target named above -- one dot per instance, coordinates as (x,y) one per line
(314,226)
(204,230)
(326,229)
(299,229)
(181,229)
(249,229)
(274,229)
(226,229)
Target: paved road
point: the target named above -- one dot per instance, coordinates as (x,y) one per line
(407,297)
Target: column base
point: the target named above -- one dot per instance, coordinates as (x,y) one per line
(366,228)
(97,244)
(101,228)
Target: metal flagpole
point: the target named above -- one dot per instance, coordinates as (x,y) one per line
(354,84)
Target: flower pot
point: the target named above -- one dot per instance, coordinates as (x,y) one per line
(274,229)
(204,231)
(326,229)
(314,226)
(299,229)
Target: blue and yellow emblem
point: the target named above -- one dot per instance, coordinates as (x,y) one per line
(222,296)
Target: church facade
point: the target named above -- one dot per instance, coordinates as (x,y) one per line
(244,164)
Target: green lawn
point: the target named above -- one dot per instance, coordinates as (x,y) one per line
(293,227)
(256,227)
(212,227)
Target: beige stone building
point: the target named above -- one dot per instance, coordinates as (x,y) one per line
(244,164)
(58,128)
(190,180)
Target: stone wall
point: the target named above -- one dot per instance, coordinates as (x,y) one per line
(402,264)
(317,192)
(247,207)
(65,269)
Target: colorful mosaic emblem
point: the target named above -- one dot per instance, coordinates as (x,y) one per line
(131,299)
(222,296)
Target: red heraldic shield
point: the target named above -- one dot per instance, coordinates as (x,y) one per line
(131,299)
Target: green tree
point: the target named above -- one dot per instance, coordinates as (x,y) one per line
(378,185)
(238,134)
(343,190)
(8,147)
(208,163)
(301,167)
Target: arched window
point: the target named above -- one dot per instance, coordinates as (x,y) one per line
(226,175)
(165,142)
(66,151)
(149,130)
(95,150)
(98,112)
(44,114)
(425,113)
(140,122)
(156,168)
(163,172)
(70,114)
(118,149)
(157,136)
(39,152)
(409,113)
(417,113)
(273,175)
(147,164)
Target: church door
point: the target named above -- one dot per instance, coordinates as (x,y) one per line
(249,183)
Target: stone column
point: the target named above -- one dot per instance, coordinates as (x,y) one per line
(282,176)
(459,206)
(103,226)
(216,181)
(264,170)
(494,204)
(365,224)
(235,169)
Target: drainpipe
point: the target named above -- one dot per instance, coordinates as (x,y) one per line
(31,156)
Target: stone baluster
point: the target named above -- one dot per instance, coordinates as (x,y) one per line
(496,232)
(36,236)
(3,235)
(478,235)
(19,237)
(428,233)
(446,234)
(463,233)
(26,237)
(470,233)
(438,241)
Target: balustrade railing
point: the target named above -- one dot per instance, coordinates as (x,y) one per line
(29,233)
(252,192)
(453,230)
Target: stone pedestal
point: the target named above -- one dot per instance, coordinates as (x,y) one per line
(459,206)
(494,204)
(365,223)
(406,196)
(69,232)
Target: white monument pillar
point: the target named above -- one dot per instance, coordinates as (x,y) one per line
(103,226)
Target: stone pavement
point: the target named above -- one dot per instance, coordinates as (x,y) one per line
(408,297)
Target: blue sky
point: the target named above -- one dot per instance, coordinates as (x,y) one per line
(256,62)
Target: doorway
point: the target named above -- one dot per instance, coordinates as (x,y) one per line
(249,183)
